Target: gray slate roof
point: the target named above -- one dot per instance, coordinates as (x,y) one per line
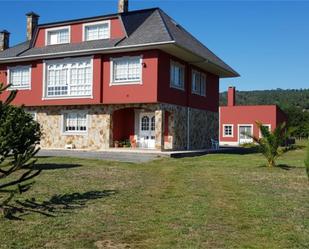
(142,27)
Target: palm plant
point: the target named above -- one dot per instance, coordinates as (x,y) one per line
(270,142)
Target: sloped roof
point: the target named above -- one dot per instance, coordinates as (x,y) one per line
(142,27)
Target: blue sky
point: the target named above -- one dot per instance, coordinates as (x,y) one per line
(267,42)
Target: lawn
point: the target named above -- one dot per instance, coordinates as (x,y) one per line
(214,201)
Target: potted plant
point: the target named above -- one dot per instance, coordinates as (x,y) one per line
(133,143)
(116,144)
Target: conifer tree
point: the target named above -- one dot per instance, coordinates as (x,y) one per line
(19,140)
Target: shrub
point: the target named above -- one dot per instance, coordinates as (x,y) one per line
(307,161)
(271,141)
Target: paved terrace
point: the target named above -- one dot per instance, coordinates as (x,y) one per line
(134,155)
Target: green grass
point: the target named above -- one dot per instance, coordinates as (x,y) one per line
(215,201)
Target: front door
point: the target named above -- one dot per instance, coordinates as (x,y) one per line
(147,130)
(244,134)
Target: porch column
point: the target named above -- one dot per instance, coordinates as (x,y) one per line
(107,131)
(159,129)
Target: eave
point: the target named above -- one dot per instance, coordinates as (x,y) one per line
(170,47)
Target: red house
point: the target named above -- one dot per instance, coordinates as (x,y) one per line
(236,122)
(132,75)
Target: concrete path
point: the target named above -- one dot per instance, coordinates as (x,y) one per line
(103,155)
(136,155)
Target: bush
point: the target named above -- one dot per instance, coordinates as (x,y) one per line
(307,161)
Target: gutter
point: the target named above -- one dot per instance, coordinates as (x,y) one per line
(73,53)
(235,74)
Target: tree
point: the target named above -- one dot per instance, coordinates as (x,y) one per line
(271,141)
(19,139)
(307,161)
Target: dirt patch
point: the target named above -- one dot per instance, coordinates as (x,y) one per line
(108,244)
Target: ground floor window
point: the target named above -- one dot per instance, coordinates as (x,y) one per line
(75,122)
(33,115)
(268,126)
(227,130)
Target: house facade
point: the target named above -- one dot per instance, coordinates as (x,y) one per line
(133,75)
(237,123)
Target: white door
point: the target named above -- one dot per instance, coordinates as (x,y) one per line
(147,130)
(243,134)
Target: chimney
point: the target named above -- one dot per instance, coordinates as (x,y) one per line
(231,96)
(123,6)
(4,40)
(32,23)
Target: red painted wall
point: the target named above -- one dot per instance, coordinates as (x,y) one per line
(123,124)
(155,86)
(117,31)
(185,97)
(236,115)
(146,92)
(33,97)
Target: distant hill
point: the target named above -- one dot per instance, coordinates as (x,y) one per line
(286,99)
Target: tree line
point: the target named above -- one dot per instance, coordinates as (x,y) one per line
(294,102)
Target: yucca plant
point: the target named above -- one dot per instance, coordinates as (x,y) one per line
(307,161)
(270,142)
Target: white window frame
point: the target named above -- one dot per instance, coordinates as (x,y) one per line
(172,84)
(114,82)
(19,87)
(56,29)
(200,93)
(252,131)
(85,25)
(68,133)
(268,125)
(65,61)
(223,126)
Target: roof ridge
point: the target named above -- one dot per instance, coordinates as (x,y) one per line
(164,23)
(95,17)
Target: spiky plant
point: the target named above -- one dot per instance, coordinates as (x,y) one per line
(270,142)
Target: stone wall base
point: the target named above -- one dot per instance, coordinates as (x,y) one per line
(187,128)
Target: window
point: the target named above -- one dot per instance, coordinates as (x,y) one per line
(33,115)
(245,132)
(228,130)
(198,83)
(19,77)
(67,78)
(268,126)
(96,31)
(75,122)
(126,69)
(153,123)
(145,123)
(57,36)
(177,75)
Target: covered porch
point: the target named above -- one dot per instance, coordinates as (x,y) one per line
(141,129)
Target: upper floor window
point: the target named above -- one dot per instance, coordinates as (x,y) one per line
(69,78)
(198,83)
(19,77)
(57,36)
(96,31)
(177,75)
(126,70)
